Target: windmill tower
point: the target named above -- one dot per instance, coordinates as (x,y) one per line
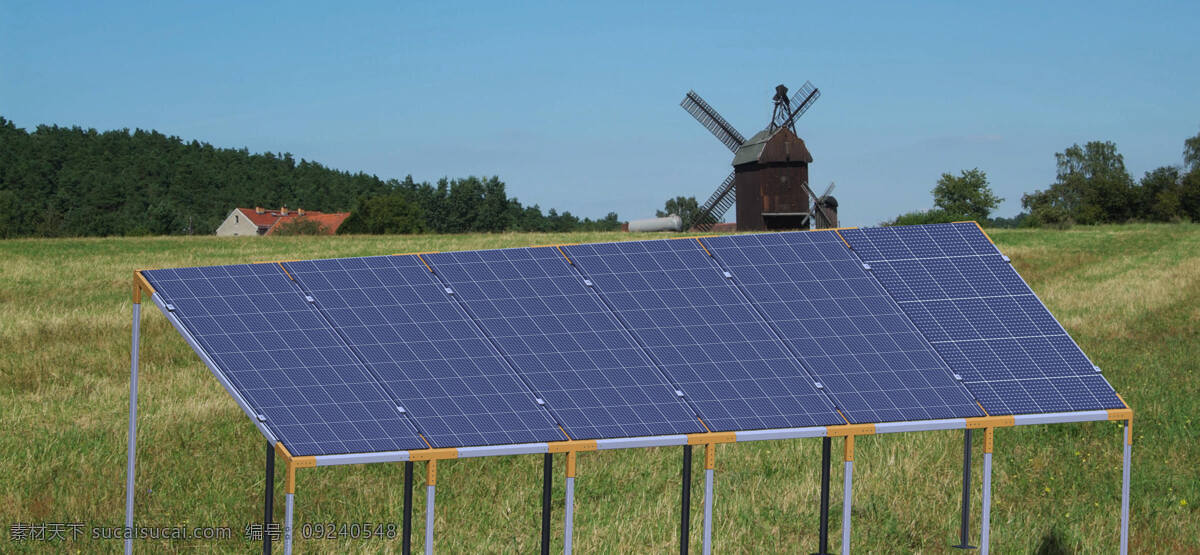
(769,182)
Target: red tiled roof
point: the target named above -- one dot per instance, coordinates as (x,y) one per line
(271,219)
(266,219)
(330,221)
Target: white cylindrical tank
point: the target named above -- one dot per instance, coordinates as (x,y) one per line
(669,223)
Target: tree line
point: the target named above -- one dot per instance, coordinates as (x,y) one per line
(1091,186)
(70,182)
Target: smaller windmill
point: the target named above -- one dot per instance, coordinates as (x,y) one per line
(769,182)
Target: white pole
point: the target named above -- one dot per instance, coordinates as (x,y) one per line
(710,466)
(569,509)
(132,447)
(708,510)
(430,487)
(846,507)
(429,519)
(287,526)
(987,503)
(1126,465)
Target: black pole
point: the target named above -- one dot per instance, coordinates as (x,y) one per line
(823,531)
(685,500)
(547,476)
(964,532)
(269,500)
(406,542)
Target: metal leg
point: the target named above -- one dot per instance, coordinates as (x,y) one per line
(430,486)
(708,510)
(429,494)
(685,500)
(1126,467)
(406,540)
(547,475)
(287,525)
(964,531)
(132,447)
(823,527)
(710,468)
(847,477)
(987,504)
(269,499)
(569,507)
(569,517)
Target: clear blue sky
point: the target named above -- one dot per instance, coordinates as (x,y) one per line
(576,107)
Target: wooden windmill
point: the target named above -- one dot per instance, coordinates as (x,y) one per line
(769,182)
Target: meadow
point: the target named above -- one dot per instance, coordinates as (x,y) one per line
(1130,295)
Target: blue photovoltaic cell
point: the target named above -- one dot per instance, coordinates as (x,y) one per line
(982,318)
(709,340)
(283,359)
(845,328)
(425,350)
(560,337)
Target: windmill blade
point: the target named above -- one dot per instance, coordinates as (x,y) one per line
(715,207)
(711,120)
(817,202)
(802,100)
(828,190)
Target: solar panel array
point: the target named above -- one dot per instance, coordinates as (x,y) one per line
(284,360)
(425,351)
(982,318)
(632,339)
(573,351)
(842,324)
(712,344)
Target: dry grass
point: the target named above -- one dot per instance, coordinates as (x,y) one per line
(1129,295)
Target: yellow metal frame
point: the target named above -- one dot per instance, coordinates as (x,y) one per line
(846,430)
(431,473)
(1125,414)
(711,438)
(571,455)
(433,454)
(292,464)
(140,284)
(572,446)
(990,422)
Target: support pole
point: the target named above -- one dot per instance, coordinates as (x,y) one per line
(964,529)
(1126,467)
(269,499)
(985,518)
(130,461)
(823,527)
(290,489)
(846,494)
(685,500)
(547,476)
(710,463)
(430,485)
(406,540)
(569,507)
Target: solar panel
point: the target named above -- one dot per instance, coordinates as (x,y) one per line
(710,341)
(982,318)
(559,336)
(425,351)
(844,327)
(283,359)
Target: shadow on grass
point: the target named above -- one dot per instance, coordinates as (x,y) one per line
(1053,544)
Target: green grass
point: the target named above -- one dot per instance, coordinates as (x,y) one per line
(1130,295)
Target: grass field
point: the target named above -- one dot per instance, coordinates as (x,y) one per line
(1129,295)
